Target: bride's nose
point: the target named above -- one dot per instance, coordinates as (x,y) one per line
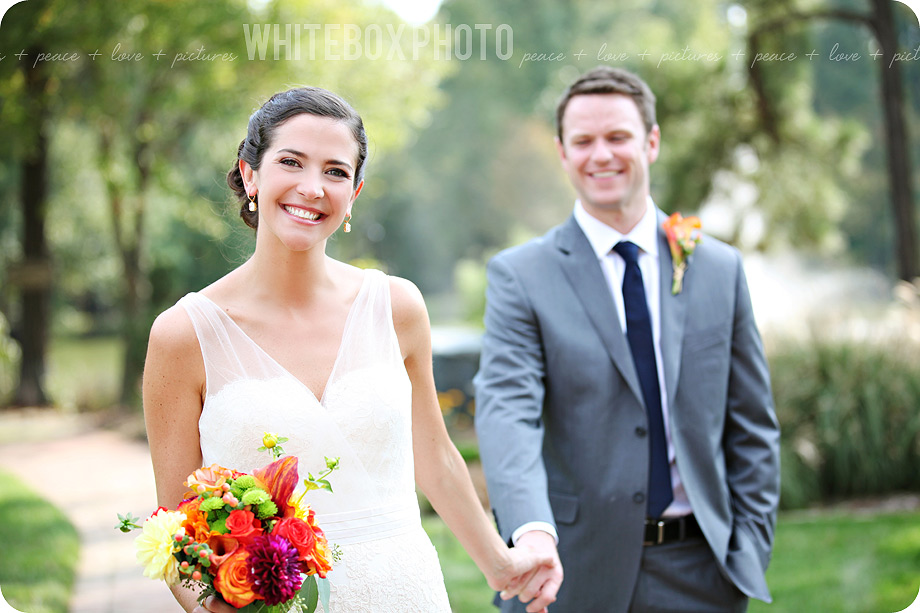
(311,188)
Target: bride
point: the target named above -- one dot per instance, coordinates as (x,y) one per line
(335,358)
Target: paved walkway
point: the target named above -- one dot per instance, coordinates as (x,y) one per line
(91,474)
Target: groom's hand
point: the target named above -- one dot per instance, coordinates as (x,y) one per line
(540,591)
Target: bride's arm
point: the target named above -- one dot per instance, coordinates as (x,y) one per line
(442,474)
(173,391)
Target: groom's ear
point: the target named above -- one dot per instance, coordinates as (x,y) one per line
(560,149)
(653,143)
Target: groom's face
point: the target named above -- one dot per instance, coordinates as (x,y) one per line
(606,152)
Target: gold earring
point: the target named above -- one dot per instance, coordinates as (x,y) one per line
(347,226)
(252,204)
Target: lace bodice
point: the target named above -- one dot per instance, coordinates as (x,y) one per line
(364,418)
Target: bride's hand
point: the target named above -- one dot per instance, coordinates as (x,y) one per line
(534,573)
(213,604)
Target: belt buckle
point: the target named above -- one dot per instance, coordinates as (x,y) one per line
(660,536)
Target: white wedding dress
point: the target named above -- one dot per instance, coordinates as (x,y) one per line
(364,417)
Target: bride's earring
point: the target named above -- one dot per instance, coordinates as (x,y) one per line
(347,226)
(252,204)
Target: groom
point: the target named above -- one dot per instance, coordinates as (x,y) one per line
(627,424)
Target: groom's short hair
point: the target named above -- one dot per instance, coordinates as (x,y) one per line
(607,80)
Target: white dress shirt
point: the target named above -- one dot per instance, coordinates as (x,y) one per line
(645,234)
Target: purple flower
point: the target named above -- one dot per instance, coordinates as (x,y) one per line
(274,568)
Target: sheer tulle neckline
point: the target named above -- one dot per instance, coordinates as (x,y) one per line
(338,357)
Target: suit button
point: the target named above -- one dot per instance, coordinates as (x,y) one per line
(641,432)
(638,497)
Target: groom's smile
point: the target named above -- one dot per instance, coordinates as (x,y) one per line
(606,152)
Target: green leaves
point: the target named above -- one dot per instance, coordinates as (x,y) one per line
(127,523)
(320,482)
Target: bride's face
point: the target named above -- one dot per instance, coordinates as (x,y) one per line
(305,182)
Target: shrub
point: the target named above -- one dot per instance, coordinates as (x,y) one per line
(849,416)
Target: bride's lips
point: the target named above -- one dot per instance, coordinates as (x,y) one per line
(303,214)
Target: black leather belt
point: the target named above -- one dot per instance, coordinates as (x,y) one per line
(670,530)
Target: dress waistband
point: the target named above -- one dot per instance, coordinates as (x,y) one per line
(371,523)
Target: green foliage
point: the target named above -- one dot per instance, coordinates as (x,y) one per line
(83,372)
(40,550)
(9,360)
(848,417)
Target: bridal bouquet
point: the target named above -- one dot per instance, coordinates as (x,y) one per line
(244,537)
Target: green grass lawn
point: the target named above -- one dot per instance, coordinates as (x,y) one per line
(40,550)
(844,563)
(840,563)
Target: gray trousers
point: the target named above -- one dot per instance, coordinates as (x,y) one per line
(683,578)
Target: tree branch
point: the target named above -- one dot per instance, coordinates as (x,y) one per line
(764,106)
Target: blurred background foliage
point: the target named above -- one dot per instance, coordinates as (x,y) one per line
(113,202)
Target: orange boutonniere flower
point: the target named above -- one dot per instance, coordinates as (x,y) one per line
(683,237)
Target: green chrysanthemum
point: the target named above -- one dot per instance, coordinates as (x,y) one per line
(219,525)
(255,496)
(266,509)
(211,504)
(245,482)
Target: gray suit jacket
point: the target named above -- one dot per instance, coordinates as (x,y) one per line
(561,423)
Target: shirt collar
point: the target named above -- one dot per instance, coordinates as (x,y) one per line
(602,237)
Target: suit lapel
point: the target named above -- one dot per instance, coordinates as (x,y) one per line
(673,315)
(580,265)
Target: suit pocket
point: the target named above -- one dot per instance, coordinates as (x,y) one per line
(696,341)
(565,507)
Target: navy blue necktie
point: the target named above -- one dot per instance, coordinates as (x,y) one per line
(639,335)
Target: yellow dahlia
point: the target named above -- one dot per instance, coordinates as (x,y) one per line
(156,545)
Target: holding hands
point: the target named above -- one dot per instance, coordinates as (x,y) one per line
(534,573)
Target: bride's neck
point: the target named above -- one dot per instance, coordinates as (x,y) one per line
(286,276)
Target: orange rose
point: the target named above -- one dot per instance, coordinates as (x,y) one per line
(243,525)
(320,562)
(299,533)
(233,582)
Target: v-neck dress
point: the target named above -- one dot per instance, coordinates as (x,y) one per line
(364,417)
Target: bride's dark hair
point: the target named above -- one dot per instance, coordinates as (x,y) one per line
(279,108)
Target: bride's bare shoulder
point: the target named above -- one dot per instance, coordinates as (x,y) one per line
(407,301)
(172,332)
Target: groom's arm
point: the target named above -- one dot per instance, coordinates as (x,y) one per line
(751,438)
(509,404)
(509,424)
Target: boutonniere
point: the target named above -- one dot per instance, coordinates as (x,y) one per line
(683,237)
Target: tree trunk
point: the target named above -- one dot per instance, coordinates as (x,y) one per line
(128,214)
(898,151)
(34,276)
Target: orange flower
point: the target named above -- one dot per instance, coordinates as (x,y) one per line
(243,525)
(279,479)
(210,479)
(299,533)
(196,522)
(683,237)
(322,556)
(222,547)
(233,582)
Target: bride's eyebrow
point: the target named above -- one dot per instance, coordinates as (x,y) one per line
(303,155)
